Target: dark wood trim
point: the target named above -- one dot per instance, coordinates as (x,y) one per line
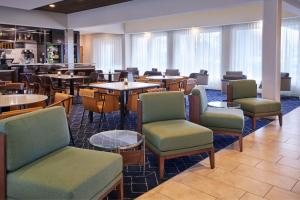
(229,93)
(194,108)
(118,186)
(2,166)
(139,116)
(254,117)
(210,151)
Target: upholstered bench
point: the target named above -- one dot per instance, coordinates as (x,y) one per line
(41,165)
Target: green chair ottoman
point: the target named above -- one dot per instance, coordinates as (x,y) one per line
(221,120)
(40,164)
(161,118)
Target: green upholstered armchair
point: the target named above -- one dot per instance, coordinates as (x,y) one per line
(244,92)
(37,163)
(221,120)
(161,118)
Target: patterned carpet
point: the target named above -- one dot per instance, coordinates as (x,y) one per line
(135,182)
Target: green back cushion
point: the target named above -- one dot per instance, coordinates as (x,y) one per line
(200,91)
(31,136)
(243,89)
(162,106)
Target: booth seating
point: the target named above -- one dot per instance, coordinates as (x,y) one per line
(40,164)
(134,71)
(226,121)
(8,75)
(231,75)
(244,92)
(161,118)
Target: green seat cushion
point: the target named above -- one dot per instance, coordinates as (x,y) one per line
(173,135)
(68,173)
(259,105)
(162,106)
(223,118)
(33,135)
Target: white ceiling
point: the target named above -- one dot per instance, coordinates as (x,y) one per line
(26,4)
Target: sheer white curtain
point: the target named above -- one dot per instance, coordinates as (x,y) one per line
(246,50)
(195,49)
(149,50)
(290,52)
(107,52)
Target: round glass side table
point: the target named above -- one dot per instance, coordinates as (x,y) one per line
(130,144)
(223,104)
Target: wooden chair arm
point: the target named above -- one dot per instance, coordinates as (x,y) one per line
(139,116)
(2,166)
(229,93)
(194,102)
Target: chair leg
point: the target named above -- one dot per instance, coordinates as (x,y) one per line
(71,136)
(280,119)
(211,154)
(82,118)
(161,167)
(241,142)
(120,189)
(253,123)
(101,119)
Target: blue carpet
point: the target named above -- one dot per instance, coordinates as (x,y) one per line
(135,183)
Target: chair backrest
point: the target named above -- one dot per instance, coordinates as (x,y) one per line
(203,72)
(89,100)
(66,100)
(201,92)
(243,89)
(172,72)
(33,135)
(111,103)
(162,106)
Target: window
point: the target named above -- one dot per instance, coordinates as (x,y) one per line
(246,50)
(197,49)
(149,50)
(107,52)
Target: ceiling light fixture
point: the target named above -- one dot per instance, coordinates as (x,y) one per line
(52,5)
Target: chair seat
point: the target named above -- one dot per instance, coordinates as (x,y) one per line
(223,119)
(173,135)
(69,173)
(259,105)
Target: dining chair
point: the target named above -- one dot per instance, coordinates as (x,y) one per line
(66,101)
(98,103)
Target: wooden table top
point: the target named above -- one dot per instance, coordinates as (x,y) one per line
(64,76)
(20,99)
(120,86)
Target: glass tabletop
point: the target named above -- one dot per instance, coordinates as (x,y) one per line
(117,139)
(224,104)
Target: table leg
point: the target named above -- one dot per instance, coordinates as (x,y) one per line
(71,87)
(91,116)
(122,109)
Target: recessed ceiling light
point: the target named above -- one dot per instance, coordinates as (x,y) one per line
(52,5)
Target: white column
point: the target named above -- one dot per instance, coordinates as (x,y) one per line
(170,50)
(126,51)
(69,48)
(271,49)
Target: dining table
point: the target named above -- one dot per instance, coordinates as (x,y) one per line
(70,78)
(20,100)
(124,89)
(164,79)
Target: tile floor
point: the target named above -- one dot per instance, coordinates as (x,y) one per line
(269,168)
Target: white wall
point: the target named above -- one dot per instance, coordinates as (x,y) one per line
(32,18)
